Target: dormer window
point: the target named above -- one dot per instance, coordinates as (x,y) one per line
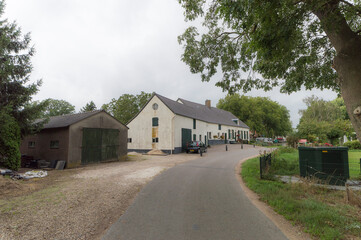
(235,121)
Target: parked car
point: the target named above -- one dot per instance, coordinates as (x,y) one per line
(196,146)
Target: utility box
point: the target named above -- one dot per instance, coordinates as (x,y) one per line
(329,164)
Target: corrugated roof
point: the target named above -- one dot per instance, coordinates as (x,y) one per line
(201,112)
(67,120)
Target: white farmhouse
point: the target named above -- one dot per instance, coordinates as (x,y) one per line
(168,125)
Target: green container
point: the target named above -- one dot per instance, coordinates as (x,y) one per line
(329,164)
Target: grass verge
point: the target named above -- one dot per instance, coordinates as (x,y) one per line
(321,212)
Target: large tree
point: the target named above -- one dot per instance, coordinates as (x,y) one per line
(262,115)
(16,113)
(90,106)
(286,43)
(55,107)
(324,120)
(126,106)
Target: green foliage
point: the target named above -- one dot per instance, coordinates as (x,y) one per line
(15,69)
(292,139)
(355,144)
(55,107)
(281,40)
(324,120)
(305,206)
(9,141)
(89,107)
(262,115)
(126,106)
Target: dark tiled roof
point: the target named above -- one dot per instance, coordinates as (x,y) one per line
(67,120)
(201,112)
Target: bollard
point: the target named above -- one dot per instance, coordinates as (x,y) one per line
(254,145)
(242,145)
(226,148)
(200,152)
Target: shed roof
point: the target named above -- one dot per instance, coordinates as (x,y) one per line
(69,119)
(201,112)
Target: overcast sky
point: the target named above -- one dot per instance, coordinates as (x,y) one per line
(98,50)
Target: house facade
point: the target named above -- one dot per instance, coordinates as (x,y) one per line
(168,125)
(78,139)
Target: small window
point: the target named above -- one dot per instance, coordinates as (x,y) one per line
(155,122)
(235,121)
(210,135)
(200,137)
(155,140)
(54,144)
(194,124)
(155,106)
(129,140)
(31,144)
(194,137)
(219,127)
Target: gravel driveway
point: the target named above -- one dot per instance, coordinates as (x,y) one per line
(77,203)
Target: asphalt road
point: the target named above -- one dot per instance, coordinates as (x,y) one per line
(198,200)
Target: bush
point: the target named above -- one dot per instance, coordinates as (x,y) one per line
(9,141)
(355,144)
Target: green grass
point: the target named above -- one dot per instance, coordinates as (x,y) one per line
(354,163)
(321,212)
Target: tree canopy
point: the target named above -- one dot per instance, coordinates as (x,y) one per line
(55,107)
(90,106)
(286,43)
(324,120)
(266,117)
(126,106)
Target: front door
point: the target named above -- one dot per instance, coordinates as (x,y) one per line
(186,137)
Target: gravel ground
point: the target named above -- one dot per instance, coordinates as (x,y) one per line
(77,203)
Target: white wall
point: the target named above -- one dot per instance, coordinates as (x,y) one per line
(140,128)
(202,128)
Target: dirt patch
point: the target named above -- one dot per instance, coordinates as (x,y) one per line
(76,203)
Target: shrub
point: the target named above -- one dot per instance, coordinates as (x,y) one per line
(9,141)
(355,144)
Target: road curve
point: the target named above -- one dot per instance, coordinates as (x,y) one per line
(201,199)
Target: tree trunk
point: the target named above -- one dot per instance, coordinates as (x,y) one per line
(347,62)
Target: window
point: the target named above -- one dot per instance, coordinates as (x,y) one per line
(200,137)
(247,135)
(155,122)
(194,137)
(210,135)
(244,134)
(31,144)
(54,144)
(129,140)
(235,121)
(155,140)
(232,134)
(194,124)
(219,127)
(155,106)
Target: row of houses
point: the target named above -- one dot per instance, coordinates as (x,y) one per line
(162,124)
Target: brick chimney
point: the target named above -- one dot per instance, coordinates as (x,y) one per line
(208,103)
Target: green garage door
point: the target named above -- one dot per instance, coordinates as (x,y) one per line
(99,145)
(186,137)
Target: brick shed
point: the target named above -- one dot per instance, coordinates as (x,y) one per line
(79,139)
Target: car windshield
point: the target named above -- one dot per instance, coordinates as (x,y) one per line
(195,144)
